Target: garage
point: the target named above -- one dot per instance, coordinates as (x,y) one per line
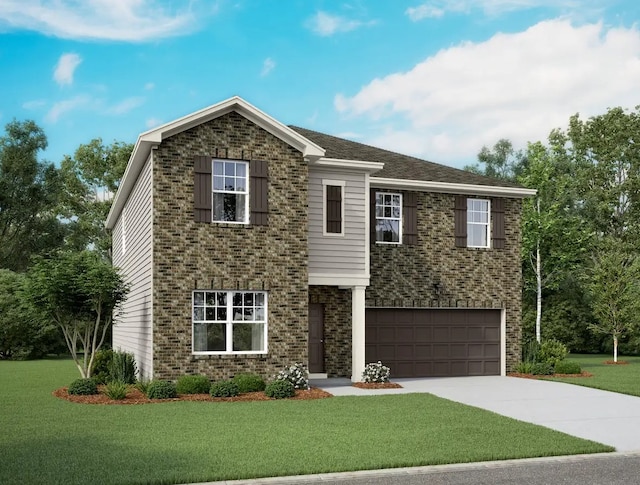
(434,342)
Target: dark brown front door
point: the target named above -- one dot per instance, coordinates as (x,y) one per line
(434,342)
(316,338)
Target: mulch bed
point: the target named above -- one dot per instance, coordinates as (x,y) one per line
(376,385)
(620,362)
(134,396)
(531,376)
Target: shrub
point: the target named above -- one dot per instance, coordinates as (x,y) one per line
(101,364)
(542,369)
(193,385)
(116,390)
(552,351)
(530,351)
(224,389)
(161,390)
(83,387)
(122,368)
(568,367)
(249,383)
(525,367)
(376,372)
(296,374)
(280,389)
(142,385)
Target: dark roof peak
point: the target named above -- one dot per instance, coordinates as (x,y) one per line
(397,165)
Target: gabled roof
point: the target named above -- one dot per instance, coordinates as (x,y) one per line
(150,138)
(396,165)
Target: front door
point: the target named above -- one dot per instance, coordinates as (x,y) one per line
(316,338)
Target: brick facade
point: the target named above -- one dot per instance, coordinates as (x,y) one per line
(337,328)
(190,255)
(404,276)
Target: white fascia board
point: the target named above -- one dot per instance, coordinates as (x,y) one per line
(308,148)
(359,165)
(452,188)
(338,279)
(310,151)
(139,156)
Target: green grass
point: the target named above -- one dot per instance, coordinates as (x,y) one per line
(48,440)
(624,379)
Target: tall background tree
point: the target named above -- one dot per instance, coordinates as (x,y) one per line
(91,178)
(29,196)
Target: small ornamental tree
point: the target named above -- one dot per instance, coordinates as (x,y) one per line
(80,293)
(614,287)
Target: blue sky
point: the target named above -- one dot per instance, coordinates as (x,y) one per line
(435,79)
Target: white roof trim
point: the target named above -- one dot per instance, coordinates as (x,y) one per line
(147,140)
(452,188)
(360,165)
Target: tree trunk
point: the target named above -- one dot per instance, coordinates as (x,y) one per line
(615,348)
(538,293)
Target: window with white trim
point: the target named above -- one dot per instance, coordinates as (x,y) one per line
(230,191)
(229,322)
(478,211)
(388,218)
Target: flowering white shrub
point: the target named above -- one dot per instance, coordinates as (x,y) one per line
(376,372)
(297,374)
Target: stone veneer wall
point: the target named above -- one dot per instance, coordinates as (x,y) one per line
(337,328)
(404,276)
(189,255)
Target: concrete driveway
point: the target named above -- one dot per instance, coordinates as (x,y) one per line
(602,416)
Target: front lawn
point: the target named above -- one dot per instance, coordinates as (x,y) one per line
(48,440)
(624,379)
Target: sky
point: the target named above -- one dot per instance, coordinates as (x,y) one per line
(434,79)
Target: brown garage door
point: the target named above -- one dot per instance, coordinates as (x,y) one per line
(434,342)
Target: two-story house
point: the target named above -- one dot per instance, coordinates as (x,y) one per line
(250,245)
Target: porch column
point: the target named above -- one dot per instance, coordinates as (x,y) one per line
(357,332)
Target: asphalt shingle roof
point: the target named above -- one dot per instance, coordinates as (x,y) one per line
(396,165)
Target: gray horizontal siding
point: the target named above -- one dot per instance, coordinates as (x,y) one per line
(134,331)
(338,254)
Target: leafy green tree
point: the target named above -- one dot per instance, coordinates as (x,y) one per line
(80,292)
(606,154)
(554,238)
(502,161)
(29,195)
(614,286)
(91,177)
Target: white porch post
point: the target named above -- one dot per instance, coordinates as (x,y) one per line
(357,332)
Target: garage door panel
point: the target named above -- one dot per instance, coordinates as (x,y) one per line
(434,342)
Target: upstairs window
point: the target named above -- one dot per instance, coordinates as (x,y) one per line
(333,207)
(388,218)
(230,191)
(478,211)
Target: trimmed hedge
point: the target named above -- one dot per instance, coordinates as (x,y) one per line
(161,390)
(280,389)
(224,389)
(568,367)
(249,383)
(83,387)
(197,384)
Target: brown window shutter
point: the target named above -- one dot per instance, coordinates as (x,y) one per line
(497,231)
(202,195)
(334,209)
(372,216)
(259,192)
(460,221)
(410,216)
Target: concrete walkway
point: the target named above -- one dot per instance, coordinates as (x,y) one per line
(602,416)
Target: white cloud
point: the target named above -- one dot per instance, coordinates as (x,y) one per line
(516,86)
(153,122)
(65,106)
(438,8)
(66,68)
(424,11)
(267,66)
(34,104)
(149,86)
(325,24)
(120,20)
(126,105)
